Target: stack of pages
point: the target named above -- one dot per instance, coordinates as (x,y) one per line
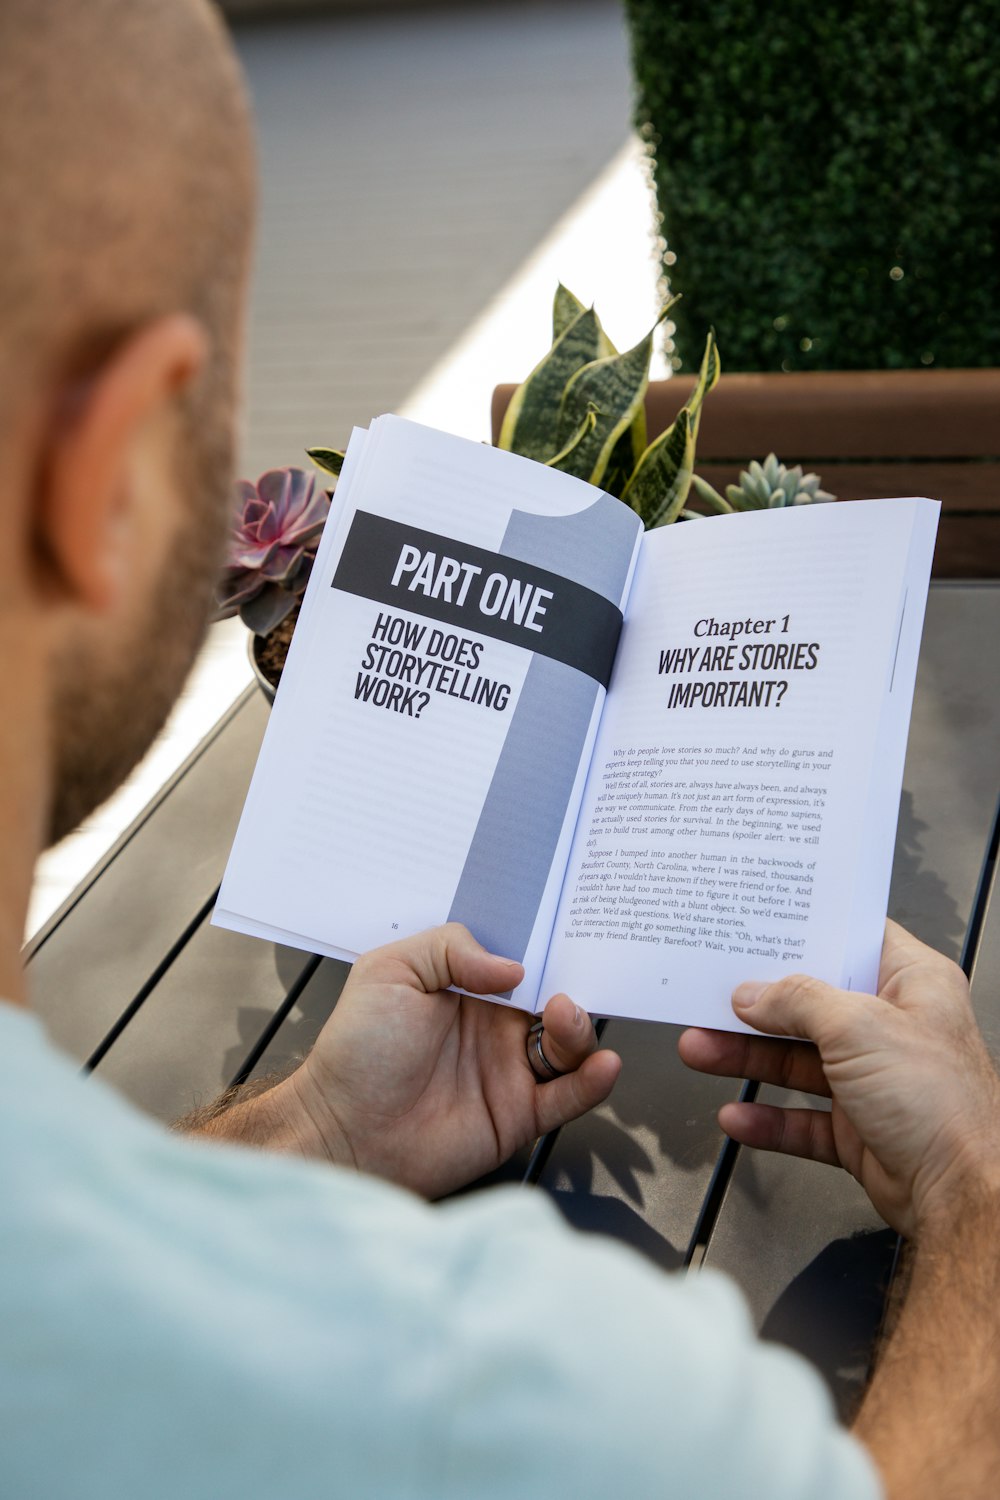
(646,766)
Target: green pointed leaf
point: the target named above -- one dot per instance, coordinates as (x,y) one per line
(620,466)
(584,430)
(710,497)
(627,452)
(638,436)
(629,448)
(330,459)
(605,348)
(616,386)
(659,487)
(663,473)
(565,310)
(531,422)
(708,379)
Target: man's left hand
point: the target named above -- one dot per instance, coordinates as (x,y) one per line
(422,1086)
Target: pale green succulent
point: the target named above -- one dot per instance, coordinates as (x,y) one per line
(764,486)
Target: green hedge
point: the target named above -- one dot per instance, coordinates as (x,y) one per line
(828,177)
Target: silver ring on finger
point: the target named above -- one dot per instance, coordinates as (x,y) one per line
(540,1065)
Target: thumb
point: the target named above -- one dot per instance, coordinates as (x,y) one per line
(446,957)
(796,1006)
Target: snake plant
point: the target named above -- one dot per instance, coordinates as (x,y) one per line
(582,410)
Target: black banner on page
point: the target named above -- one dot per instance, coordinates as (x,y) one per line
(481,591)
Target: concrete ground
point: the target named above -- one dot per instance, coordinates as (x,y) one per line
(410,163)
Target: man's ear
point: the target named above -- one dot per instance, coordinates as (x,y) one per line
(87,508)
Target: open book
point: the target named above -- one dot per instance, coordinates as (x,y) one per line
(646,766)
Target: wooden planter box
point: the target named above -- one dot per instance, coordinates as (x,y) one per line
(868,434)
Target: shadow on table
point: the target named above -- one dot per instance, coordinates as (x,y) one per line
(613,1218)
(298,1030)
(918,897)
(655,1144)
(831,1312)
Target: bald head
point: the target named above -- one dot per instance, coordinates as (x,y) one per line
(125,181)
(126,206)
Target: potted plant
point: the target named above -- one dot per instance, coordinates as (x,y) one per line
(582,410)
(272,545)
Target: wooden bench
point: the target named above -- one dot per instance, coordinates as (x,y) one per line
(867,434)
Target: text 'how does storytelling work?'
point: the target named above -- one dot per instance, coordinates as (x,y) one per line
(405,662)
(722,647)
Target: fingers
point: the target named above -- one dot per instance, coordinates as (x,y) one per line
(567,1098)
(794,1132)
(589,1075)
(569,1034)
(467,965)
(798,1007)
(790,1065)
(442,958)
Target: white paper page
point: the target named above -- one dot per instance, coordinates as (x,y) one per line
(724,822)
(401,779)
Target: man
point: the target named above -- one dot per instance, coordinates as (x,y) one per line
(184,1318)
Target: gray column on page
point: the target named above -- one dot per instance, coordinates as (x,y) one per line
(593,547)
(511,852)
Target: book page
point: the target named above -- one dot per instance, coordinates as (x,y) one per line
(756,722)
(426,752)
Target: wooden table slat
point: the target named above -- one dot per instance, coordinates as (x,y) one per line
(822,415)
(192,1035)
(91,963)
(304,1021)
(640,1166)
(854,414)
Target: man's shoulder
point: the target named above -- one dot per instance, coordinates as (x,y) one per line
(149,1281)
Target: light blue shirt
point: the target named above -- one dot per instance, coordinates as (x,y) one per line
(184,1320)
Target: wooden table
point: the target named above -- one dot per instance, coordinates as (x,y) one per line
(132,979)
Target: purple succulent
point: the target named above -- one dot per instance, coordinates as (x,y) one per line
(272,544)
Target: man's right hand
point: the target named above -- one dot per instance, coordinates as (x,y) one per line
(916,1098)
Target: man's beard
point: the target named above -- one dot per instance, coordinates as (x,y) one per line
(108,708)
